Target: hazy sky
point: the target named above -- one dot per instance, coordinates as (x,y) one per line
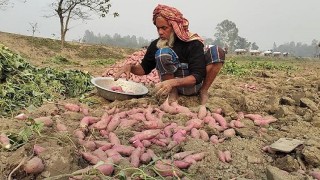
(260,21)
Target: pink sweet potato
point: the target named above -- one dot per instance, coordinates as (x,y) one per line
(88,144)
(72,107)
(229,133)
(196,123)
(37,149)
(92,159)
(179,136)
(46,120)
(106,169)
(88,120)
(114,155)
(135,157)
(34,166)
(227,155)
(204,135)
(61,127)
(195,133)
(202,112)
(123,149)
(214,139)
(79,134)
(221,156)
(315,174)
(113,138)
(145,158)
(145,135)
(100,154)
(21,116)
(220,119)
(5,141)
(114,122)
(182,155)
(103,123)
(164,168)
(181,164)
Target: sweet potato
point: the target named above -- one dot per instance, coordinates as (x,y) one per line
(88,120)
(146,143)
(229,133)
(21,116)
(103,123)
(37,149)
(91,145)
(79,134)
(181,164)
(202,112)
(92,159)
(164,168)
(34,166)
(145,135)
(5,141)
(220,119)
(196,123)
(179,136)
(138,117)
(181,155)
(195,133)
(167,108)
(180,109)
(106,169)
(253,116)
(114,155)
(123,149)
(227,155)
(158,142)
(72,107)
(61,127)
(168,129)
(113,138)
(208,119)
(204,135)
(145,158)
(100,154)
(238,124)
(135,157)
(114,122)
(315,174)
(46,120)
(125,123)
(221,156)
(214,139)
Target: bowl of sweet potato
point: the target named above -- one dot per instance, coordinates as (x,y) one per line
(121,89)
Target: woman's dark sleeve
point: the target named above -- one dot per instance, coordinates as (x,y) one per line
(148,62)
(197,64)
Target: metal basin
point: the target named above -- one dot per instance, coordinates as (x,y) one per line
(131,89)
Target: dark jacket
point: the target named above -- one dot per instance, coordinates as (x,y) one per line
(191,53)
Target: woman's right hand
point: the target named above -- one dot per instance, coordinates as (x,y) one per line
(125,69)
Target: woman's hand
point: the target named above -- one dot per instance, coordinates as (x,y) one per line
(125,69)
(164,88)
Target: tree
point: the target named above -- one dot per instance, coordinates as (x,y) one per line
(78,9)
(254,46)
(227,33)
(242,43)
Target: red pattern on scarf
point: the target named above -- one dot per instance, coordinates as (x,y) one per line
(179,24)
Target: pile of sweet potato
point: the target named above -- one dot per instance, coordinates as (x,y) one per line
(134,59)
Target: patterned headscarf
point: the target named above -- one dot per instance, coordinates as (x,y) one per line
(179,23)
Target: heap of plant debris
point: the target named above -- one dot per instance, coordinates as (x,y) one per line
(23,85)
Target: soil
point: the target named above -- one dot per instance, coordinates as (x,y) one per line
(292,97)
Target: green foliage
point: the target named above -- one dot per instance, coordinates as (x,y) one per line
(103,61)
(241,66)
(233,68)
(22,85)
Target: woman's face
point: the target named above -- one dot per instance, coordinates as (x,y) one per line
(164,28)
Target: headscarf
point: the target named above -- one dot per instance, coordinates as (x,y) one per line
(179,23)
